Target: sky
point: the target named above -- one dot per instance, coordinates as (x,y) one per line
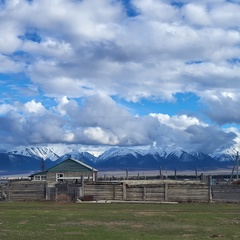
(120,73)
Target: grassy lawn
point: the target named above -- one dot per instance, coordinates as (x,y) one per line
(51,220)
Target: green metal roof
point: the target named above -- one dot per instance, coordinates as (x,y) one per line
(71,165)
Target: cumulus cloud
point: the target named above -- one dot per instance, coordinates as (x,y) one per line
(180,122)
(197,14)
(98,120)
(223,107)
(104,49)
(34,107)
(9,66)
(72,50)
(209,139)
(187,132)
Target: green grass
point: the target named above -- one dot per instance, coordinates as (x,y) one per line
(51,220)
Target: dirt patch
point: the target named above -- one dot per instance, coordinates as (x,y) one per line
(216,236)
(151,213)
(73,233)
(24,222)
(71,223)
(231,222)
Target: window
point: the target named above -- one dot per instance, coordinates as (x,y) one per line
(40,177)
(59,175)
(37,177)
(43,177)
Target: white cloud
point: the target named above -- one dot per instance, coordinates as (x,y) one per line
(91,46)
(157,10)
(9,66)
(226,15)
(102,49)
(99,120)
(34,107)
(97,135)
(49,47)
(5,108)
(223,106)
(179,122)
(9,41)
(234,130)
(197,14)
(69,137)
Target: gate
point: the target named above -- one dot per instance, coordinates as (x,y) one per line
(61,192)
(67,192)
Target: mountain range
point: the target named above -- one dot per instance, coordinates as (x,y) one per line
(114,159)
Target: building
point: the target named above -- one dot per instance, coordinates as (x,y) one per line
(69,171)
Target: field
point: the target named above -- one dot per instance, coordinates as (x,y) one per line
(51,220)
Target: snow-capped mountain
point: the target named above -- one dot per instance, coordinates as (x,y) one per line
(118,152)
(113,159)
(82,156)
(224,156)
(120,158)
(37,152)
(52,153)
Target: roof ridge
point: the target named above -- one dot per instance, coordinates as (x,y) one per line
(84,164)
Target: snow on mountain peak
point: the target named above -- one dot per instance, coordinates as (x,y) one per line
(176,153)
(113,152)
(39,152)
(118,152)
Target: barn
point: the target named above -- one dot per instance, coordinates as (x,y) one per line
(69,171)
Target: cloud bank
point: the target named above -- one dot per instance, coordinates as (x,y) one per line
(66,63)
(98,120)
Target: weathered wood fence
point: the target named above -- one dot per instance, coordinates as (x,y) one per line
(158,191)
(149,191)
(226,193)
(26,190)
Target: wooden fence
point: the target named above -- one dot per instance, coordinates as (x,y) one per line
(226,193)
(149,190)
(180,191)
(26,191)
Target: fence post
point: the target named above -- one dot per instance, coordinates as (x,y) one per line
(8,190)
(210,188)
(82,185)
(196,173)
(56,193)
(202,177)
(144,193)
(47,197)
(124,191)
(165,192)
(114,192)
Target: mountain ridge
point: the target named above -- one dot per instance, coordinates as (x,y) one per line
(113,159)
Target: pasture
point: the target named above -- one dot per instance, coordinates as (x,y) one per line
(123,221)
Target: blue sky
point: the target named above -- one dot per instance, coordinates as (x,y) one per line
(122,73)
